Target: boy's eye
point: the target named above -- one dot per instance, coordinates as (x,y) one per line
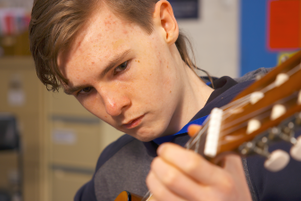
(120,68)
(85,90)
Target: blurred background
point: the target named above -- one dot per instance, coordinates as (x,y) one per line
(49,144)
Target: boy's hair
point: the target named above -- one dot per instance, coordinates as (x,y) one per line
(55,23)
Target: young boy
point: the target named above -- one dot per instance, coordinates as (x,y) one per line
(127,63)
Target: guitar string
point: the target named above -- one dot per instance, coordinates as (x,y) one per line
(245,100)
(239,101)
(265,112)
(264,90)
(147,196)
(289,73)
(252,114)
(226,131)
(196,139)
(271,86)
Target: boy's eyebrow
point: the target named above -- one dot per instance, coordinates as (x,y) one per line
(71,90)
(117,59)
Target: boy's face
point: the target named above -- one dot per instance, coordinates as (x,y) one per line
(124,76)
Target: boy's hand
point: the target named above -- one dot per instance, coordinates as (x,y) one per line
(181,174)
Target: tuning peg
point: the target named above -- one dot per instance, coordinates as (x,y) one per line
(281,78)
(296,150)
(253,125)
(256,96)
(276,161)
(277,111)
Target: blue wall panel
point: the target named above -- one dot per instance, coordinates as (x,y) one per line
(253,36)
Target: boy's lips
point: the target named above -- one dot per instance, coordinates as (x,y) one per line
(133,123)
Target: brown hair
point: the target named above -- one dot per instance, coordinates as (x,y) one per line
(55,23)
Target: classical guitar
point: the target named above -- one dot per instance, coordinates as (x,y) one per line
(269,110)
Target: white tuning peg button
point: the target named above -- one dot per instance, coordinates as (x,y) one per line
(296,150)
(281,78)
(253,125)
(277,161)
(277,111)
(256,96)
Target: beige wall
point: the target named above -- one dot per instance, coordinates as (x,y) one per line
(27,4)
(215,36)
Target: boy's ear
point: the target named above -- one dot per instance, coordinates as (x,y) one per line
(165,20)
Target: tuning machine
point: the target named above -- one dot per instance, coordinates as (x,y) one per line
(275,161)
(298,119)
(286,133)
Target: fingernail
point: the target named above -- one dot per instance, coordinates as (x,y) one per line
(160,148)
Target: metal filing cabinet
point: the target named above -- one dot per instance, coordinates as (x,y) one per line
(62,141)
(22,96)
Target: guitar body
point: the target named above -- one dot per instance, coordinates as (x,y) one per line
(126,196)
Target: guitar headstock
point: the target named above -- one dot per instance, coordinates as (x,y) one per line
(269,110)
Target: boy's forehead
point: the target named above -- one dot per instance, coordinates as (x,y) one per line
(104,32)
